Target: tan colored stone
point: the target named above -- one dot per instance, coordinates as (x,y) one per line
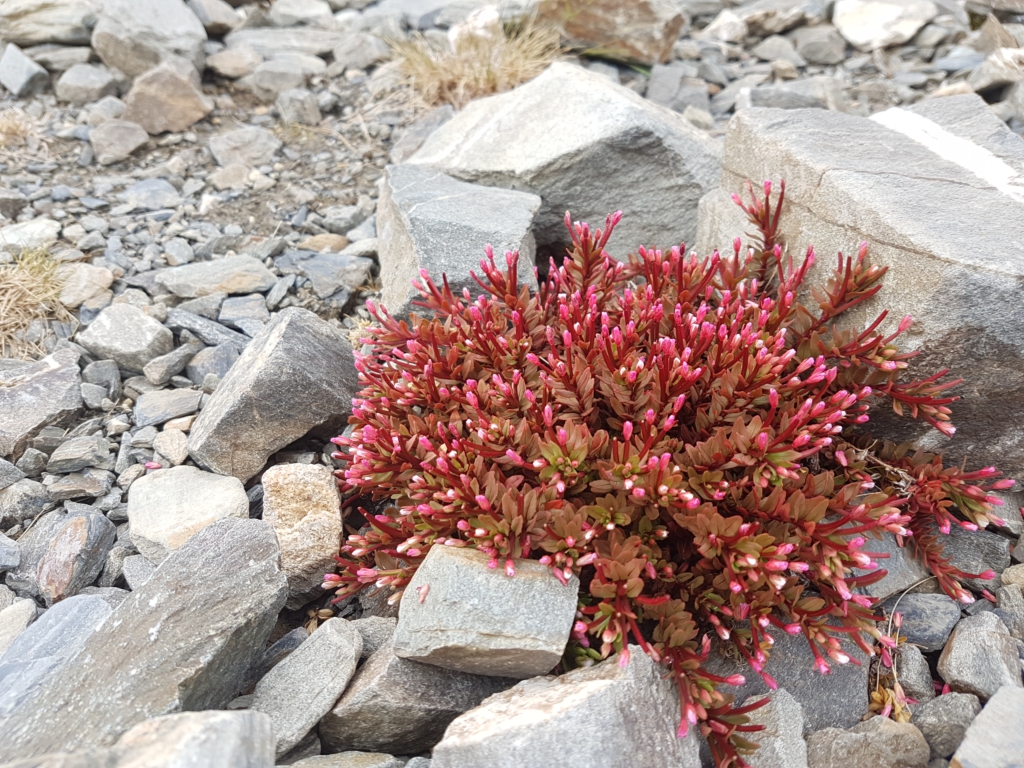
(167,98)
(324,242)
(75,557)
(234,62)
(82,282)
(642,30)
(301,501)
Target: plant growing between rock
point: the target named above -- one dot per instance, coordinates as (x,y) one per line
(675,430)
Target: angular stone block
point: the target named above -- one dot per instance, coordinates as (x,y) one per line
(980,657)
(296,375)
(427,220)
(47,393)
(618,152)
(478,619)
(994,739)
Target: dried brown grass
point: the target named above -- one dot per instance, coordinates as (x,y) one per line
(29,290)
(15,128)
(477,66)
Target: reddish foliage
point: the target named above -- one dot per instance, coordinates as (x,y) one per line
(674,430)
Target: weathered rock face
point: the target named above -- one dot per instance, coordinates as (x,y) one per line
(183,641)
(170,506)
(301,689)
(31,22)
(782,741)
(127,335)
(615,134)
(75,556)
(870,24)
(167,98)
(224,739)
(878,742)
(944,720)
(994,739)
(296,375)
(427,220)
(980,657)
(401,707)
(46,393)
(477,619)
(235,274)
(891,183)
(136,35)
(927,619)
(641,31)
(301,501)
(604,715)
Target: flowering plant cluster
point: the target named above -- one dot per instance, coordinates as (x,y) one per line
(674,430)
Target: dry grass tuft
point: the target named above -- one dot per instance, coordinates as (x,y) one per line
(29,290)
(477,64)
(16,127)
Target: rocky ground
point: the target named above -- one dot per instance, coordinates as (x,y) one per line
(225,187)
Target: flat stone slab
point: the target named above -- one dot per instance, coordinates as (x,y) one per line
(232,274)
(477,619)
(47,393)
(994,739)
(181,642)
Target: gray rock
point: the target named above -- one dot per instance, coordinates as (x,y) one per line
(92,483)
(7,597)
(151,195)
(47,393)
(106,374)
(10,554)
(9,474)
(273,656)
(246,313)
(32,462)
(231,275)
(216,360)
(33,544)
(224,739)
(855,198)
(84,84)
(914,673)
(619,137)
(207,331)
(418,762)
(1000,68)
(14,620)
(993,739)
(296,375)
(782,741)
(352,760)
(820,45)
(299,105)
(289,13)
(306,685)
(836,701)
(127,335)
(160,370)
(247,146)
(431,221)
(328,273)
(137,570)
(172,446)
(168,507)
(136,35)
(477,619)
(980,657)
(19,74)
(115,140)
(376,632)
(181,642)
(360,50)
(677,87)
(217,16)
(401,707)
(41,21)
(276,76)
(12,202)
(927,619)
(975,552)
(876,742)
(75,556)
(93,395)
(870,25)
(234,63)
(164,405)
(107,108)
(1010,601)
(40,652)
(589,716)
(113,568)
(302,503)
(944,720)
(178,252)
(79,453)
(777,47)
(269,42)
(207,306)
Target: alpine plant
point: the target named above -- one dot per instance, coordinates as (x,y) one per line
(682,433)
